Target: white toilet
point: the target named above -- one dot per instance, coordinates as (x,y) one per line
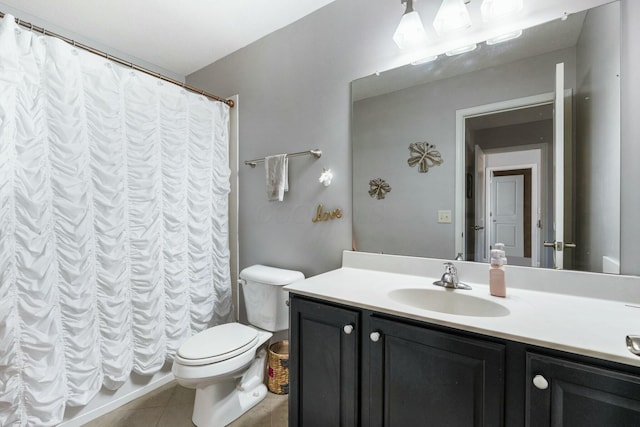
(223,363)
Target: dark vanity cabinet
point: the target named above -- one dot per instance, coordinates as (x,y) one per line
(419,376)
(350,367)
(324,365)
(562,393)
(355,367)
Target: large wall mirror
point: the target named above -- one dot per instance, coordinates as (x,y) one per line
(517,142)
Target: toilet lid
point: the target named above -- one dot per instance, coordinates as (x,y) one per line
(218,343)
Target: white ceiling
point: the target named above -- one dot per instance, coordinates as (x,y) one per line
(179,36)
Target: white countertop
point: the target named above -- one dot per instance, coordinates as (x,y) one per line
(593,327)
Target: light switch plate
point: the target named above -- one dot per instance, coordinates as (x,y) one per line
(444,217)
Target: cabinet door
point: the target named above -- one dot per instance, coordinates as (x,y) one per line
(572,394)
(323,368)
(422,377)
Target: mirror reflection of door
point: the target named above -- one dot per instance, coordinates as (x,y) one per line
(511,208)
(479,232)
(516,141)
(564,221)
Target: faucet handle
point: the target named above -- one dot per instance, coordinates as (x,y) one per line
(450,278)
(449,267)
(450,274)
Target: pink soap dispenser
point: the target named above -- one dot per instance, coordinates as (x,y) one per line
(497,279)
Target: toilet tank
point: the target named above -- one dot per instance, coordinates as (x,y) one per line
(264,298)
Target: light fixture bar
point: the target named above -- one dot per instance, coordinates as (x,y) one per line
(504,37)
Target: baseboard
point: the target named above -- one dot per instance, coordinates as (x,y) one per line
(106,401)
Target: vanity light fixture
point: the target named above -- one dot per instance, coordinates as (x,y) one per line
(461,50)
(424,60)
(504,37)
(452,17)
(410,33)
(497,9)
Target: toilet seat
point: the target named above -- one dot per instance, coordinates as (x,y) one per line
(216,344)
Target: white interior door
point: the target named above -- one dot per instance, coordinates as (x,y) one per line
(558,168)
(480,226)
(507,213)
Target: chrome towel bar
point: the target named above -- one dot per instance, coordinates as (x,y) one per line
(315,153)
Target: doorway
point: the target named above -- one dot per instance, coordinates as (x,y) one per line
(513,209)
(508,158)
(512,204)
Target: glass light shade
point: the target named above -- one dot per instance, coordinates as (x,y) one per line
(424,60)
(497,9)
(410,33)
(504,37)
(461,50)
(452,16)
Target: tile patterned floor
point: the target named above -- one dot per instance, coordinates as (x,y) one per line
(171,406)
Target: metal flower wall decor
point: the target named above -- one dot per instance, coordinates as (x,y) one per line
(378,188)
(425,155)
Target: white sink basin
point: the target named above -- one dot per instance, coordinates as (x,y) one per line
(448,301)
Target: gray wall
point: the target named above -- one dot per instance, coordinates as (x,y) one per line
(597,135)
(294,95)
(405,222)
(597,111)
(630,147)
(596,215)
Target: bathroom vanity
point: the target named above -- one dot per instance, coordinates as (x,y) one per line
(365,350)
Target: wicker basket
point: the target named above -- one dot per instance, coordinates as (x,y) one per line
(278,381)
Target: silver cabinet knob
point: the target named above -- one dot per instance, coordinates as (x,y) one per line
(375,336)
(540,382)
(348,329)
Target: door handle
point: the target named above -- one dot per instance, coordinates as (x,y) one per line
(478,227)
(559,246)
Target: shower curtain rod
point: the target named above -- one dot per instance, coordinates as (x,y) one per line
(120,61)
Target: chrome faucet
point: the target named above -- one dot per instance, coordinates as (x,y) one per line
(450,278)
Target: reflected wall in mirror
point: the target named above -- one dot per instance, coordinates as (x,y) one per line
(491,115)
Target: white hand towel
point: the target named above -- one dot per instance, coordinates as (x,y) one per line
(277,176)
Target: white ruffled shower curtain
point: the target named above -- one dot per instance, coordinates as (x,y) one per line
(113,223)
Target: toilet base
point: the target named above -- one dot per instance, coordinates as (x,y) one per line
(220,403)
